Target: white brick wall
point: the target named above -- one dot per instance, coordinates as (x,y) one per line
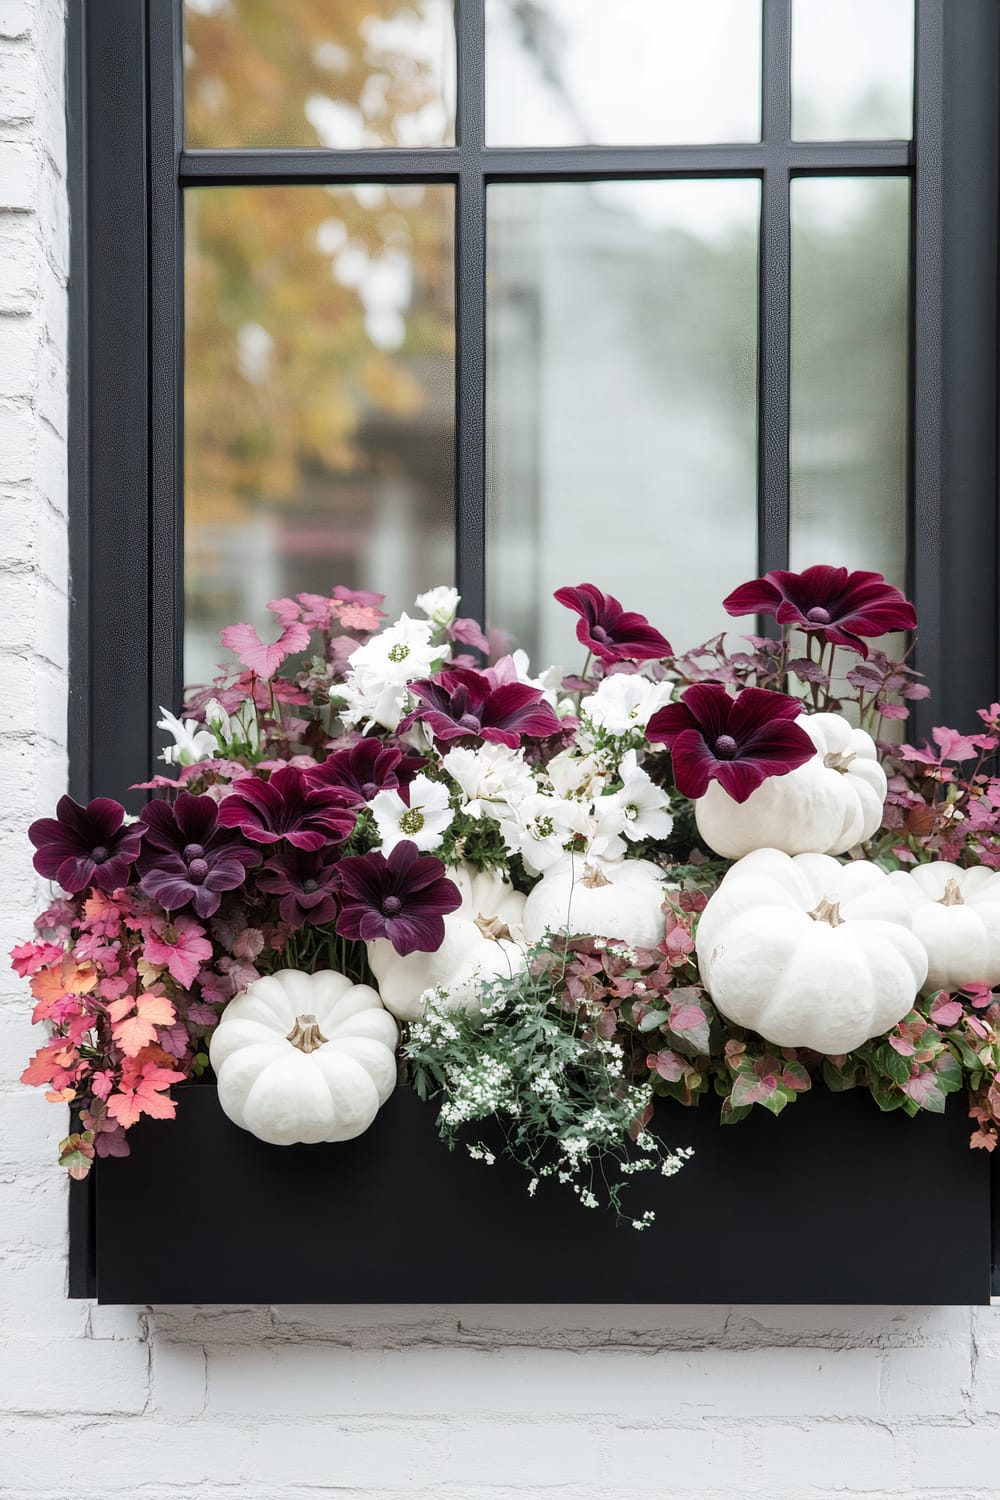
(286,1403)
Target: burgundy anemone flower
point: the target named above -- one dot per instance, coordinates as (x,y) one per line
(465,704)
(84,846)
(839,605)
(288,807)
(364,769)
(305,881)
(404,898)
(738,742)
(612,633)
(187,858)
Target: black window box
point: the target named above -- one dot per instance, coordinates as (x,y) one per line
(833,1203)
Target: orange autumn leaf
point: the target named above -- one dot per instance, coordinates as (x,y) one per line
(67,978)
(135,1032)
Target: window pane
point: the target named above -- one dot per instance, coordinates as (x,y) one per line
(852,70)
(319,400)
(636,72)
(621,390)
(337,73)
(849,381)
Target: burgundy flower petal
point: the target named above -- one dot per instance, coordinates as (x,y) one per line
(693,763)
(756,708)
(84,845)
(403,898)
(610,632)
(741,777)
(839,606)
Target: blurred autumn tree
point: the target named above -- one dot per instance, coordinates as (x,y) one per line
(315,316)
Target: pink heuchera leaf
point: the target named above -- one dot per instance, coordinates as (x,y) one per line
(28,958)
(923,1089)
(286,611)
(137,1031)
(182,946)
(469,634)
(668,1064)
(263,659)
(946,1012)
(146,1097)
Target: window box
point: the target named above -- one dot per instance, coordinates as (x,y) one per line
(837,1205)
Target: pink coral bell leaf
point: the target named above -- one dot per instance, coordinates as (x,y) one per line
(263,659)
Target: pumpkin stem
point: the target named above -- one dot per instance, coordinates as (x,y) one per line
(952,894)
(828,911)
(306,1035)
(593,878)
(837,760)
(493,927)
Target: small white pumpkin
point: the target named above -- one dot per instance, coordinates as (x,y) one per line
(809,952)
(482,939)
(609,898)
(304,1057)
(826,806)
(956,915)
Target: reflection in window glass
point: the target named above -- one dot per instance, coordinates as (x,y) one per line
(621,390)
(636,72)
(852,70)
(319,399)
(849,373)
(344,74)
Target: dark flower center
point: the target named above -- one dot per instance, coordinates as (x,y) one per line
(469,721)
(369,789)
(310,885)
(193,851)
(197,870)
(100,854)
(818,615)
(725,747)
(391,905)
(599,634)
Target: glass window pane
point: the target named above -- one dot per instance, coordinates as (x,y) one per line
(622,400)
(319,399)
(343,74)
(635,72)
(852,70)
(849,373)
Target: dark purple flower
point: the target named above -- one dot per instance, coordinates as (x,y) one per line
(288,807)
(839,605)
(84,846)
(466,705)
(187,858)
(738,742)
(363,769)
(612,633)
(404,898)
(305,881)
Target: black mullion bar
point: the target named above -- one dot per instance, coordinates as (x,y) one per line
(166,321)
(551,164)
(775,293)
(470,288)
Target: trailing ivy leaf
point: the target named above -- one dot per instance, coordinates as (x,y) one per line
(732,1114)
(839,1079)
(889,1061)
(885,1094)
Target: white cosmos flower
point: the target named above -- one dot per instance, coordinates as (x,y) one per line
(376,687)
(624,702)
(192,741)
(424,822)
(440,605)
(492,777)
(540,826)
(642,806)
(576,775)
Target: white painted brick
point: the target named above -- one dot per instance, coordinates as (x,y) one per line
(15,18)
(827,1456)
(531,1453)
(316,1380)
(18,441)
(927,1382)
(20,258)
(699,1459)
(18,176)
(178,1387)
(82,1375)
(116,1457)
(19,357)
(18,83)
(959,1457)
(341,1457)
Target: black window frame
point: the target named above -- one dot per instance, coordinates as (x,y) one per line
(129,172)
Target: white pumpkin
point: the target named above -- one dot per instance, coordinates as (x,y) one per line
(809,952)
(304,1057)
(826,806)
(482,939)
(609,898)
(956,915)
